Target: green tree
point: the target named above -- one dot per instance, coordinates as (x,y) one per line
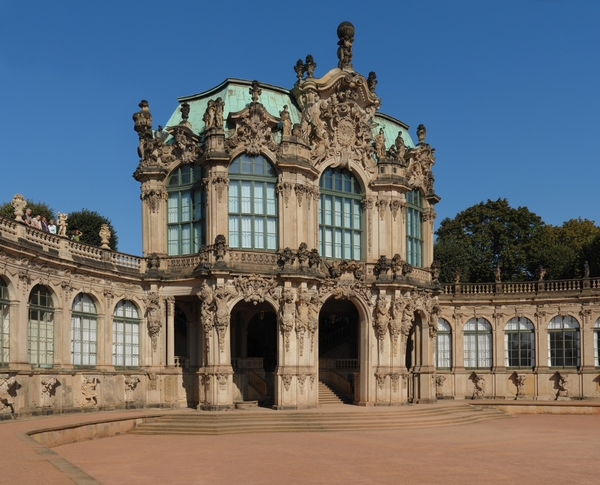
(591,254)
(576,234)
(89,223)
(37,208)
(488,235)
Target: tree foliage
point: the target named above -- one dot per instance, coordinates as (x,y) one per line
(485,236)
(89,223)
(37,208)
(492,234)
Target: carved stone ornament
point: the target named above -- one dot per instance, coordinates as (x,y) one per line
(105,236)
(345,268)
(254,288)
(287,381)
(7,394)
(254,127)
(439,384)
(520,383)
(398,150)
(153,316)
(153,261)
(221,299)
(301,381)
(89,393)
(285,257)
(372,81)
(213,116)
(219,181)
(284,188)
(394,206)
(287,316)
(380,380)
(346,289)
(220,247)
(382,266)
(207,316)
(382,206)
(152,197)
(314,307)
(303,255)
(302,318)
(131,383)
(420,160)
(478,386)
(222,380)
(395,380)
(18,203)
(49,384)
(381,320)
(563,385)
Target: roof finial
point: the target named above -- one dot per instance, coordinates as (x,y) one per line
(255,91)
(345,32)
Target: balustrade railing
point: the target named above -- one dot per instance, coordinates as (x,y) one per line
(258,382)
(349,364)
(341,382)
(521,287)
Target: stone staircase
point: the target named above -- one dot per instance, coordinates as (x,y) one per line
(329,395)
(316,420)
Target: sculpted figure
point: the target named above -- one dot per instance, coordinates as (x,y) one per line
(286,121)
(18,203)
(287,316)
(586,270)
(398,149)
(62,224)
(345,32)
(88,391)
(219,106)
(313,318)
(310,66)
(479,383)
(209,115)
(380,144)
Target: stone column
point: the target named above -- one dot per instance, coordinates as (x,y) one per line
(170,303)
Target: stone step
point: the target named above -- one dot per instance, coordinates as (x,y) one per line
(329,395)
(273,422)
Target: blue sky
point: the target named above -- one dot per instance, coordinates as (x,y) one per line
(508,90)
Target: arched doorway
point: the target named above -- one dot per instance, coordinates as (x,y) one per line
(254,352)
(339,341)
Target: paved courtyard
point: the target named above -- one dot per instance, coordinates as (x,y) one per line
(532,449)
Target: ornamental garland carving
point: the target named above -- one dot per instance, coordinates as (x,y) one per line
(303,303)
(214,312)
(220,181)
(153,316)
(382,206)
(153,197)
(254,127)
(287,381)
(394,206)
(346,289)
(254,288)
(284,188)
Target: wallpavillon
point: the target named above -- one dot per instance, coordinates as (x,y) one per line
(287,250)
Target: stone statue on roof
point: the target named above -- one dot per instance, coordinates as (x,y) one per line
(345,32)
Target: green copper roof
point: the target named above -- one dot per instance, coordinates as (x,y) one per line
(234,93)
(236,96)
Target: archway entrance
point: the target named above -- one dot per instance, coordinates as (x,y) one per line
(253,352)
(339,341)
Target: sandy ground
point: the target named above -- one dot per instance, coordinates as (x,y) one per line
(531,449)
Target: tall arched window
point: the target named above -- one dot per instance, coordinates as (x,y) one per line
(41,327)
(340,215)
(414,228)
(185,211)
(519,343)
(252,203)
(597,343)
(83,331)
(478,344)
(126,335)
(4,324)
(443,345)
(563,341)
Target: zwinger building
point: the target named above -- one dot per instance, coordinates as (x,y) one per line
(288,262)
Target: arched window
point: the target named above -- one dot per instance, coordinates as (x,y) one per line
(519,343)
(185,211)
(597,343)
(41,327)
(252,203)
(126,335)
(4,324)
(563,342)
(478,344)
(414,228)
(443,345)
(83,331)
(340,215)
